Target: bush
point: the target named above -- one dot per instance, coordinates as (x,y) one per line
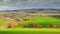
(17,19)
(53,25)
(9,26)
(32,25)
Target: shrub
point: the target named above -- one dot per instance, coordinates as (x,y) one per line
(9,26)
(17,19)
(32,25)
(46,26)
(53,25)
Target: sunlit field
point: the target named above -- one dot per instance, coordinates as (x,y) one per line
(22,23)
(43,21)
(3,21)
(29,31)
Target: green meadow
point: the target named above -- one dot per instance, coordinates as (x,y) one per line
(3,21)
(29,31)
(44,21)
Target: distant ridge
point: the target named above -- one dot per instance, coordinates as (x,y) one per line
(27,10)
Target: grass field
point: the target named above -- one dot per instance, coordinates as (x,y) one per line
(44,21)
(3,21)
(29,31)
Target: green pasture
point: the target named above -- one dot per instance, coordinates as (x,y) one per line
(3,21)
(29,31)
(44,21)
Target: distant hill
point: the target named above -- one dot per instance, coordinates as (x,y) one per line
(32,10)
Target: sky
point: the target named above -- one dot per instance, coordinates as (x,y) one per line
(28,4)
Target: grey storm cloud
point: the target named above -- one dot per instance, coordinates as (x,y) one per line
(8,4)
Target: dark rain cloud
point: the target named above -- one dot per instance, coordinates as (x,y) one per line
(29,4)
